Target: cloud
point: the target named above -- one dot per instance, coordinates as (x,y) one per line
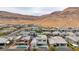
(36,11)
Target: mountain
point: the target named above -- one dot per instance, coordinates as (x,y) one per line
(69,17)
(15,16)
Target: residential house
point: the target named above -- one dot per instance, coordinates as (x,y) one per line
(39,42)
(74,40)
(23,42)
(3,42)
(57,41)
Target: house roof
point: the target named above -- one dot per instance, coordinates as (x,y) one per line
(74,38)
(18,37)
(41,37)
(26,38)
(56,39)
(3,40)
(56,32)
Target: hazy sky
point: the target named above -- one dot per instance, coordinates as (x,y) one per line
(36,11)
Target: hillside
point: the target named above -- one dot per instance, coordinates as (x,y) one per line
(14,16)
(69,17)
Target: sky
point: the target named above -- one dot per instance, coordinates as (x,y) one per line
(35,11)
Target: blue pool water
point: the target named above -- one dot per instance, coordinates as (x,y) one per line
(22,46)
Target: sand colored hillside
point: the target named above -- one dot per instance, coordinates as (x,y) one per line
(69,17)
(16,22)
(59,23)
(46,23)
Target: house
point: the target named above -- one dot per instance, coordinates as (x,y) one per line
(74,40)
(39,42)
(24,33)
(25,39)
(23,42)
(76,33)
(47,33)
(70,33)
(14,38)
(76,29)
(57,41)
(18,37)
(45,29)
(65,29)
(52,29)
(63,34)
(3,42)
(56,33)
(35,28)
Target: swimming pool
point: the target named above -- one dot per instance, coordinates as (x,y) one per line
(22,46)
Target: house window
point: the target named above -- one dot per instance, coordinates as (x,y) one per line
(63,30)
(39,44)
(1,44)
(77,42)
(63,44)
(39,40)
(44,40)
(57,44)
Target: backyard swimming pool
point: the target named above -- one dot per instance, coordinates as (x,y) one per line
(22,46)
